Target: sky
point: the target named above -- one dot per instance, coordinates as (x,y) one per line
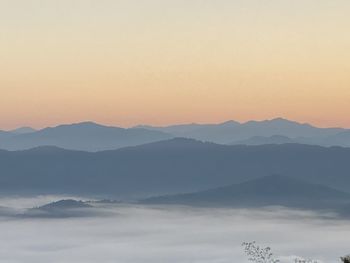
(128,62)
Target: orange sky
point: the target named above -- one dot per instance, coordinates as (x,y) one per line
(125,62)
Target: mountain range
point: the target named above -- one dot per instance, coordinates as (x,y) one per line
(85,136)
(232,132)
(89,136)
(167,167)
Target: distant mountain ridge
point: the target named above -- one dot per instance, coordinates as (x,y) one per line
(232,132)
(90,136)
(85,136)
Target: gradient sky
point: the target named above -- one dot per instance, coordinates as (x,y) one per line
(126,62)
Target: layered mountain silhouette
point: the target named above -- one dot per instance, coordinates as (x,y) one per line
(87,136)
(167,167)
(274,190)
(234,132)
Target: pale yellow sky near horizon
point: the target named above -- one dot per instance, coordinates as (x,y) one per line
(128,62)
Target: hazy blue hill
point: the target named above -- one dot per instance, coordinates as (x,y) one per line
(86,136)
(176,144)
(177,130)
(341,139)
(232,131)
(167,167)
(265,191)
(5,135)
(23,130)
(218,133)
(260,140)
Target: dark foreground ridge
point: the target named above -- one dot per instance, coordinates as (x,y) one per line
(167,167)
(272,190)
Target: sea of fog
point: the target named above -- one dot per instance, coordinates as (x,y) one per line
(118,233)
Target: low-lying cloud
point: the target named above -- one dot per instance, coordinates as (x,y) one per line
(141,234)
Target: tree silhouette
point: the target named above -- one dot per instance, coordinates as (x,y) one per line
(258,254)
(345,259)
